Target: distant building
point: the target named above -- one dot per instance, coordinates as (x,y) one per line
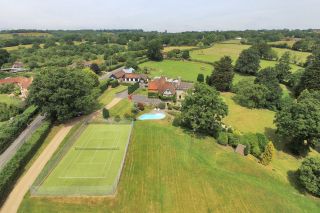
(23,83)
(122,76)
(16,67)
(128,70)
(87,64)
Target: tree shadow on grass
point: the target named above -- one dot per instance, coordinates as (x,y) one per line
(294,181)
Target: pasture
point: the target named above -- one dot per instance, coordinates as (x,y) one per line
(187,70)
(233,50)
(92,165)
(181,173)
(247,120)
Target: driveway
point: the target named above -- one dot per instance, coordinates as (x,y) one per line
(21,139)
(145,99)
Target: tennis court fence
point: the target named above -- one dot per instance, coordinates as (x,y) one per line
(37,190)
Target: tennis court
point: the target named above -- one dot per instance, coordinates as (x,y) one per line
(93,164)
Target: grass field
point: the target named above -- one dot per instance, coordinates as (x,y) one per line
(233,50)
(123,107)
(92,164)
(30,34)
(109,94)
(10,100)
(289,43)
(183,174)
(247,120)
(187,70)
(167,49)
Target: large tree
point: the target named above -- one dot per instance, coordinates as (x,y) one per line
(268,78)
(310,79)
(222,75)
(4,57)
(63,93)
(299,122)
(265,51)
(154,50)
(203,110)
(283,68)
(248,62)
(309,175)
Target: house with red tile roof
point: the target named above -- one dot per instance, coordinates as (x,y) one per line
(162,87)
(23,83)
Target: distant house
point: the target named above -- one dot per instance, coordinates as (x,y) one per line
(87,64)
(121,76)
(23,83)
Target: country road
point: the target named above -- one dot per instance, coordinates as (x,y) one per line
(12,149)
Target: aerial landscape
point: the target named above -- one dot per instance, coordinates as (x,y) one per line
(139,106)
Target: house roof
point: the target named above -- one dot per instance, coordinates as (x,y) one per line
(128,70)
(118,74)
(161,85)
(135,75)
(183,86)
(23,82)
(17,64)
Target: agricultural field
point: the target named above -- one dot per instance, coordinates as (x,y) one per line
(167,49)
(29,34)
(182,173)
(289,42)
(247,120)
(187,70)
(92,164)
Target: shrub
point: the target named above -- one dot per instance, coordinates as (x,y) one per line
(223,138)
(267,155)
(105,113)
(153,95)
(133,87)
(141,106)
(14,168)
(233,139)
(104,85)
(162,105)
(257,143)
(117,118)
(309,175)
(11,129)
(135,109)
(177,120)
(262,141)
(114,83)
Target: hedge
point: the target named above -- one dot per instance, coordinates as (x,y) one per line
(11,129)
(104,85)
(223,138)
(133,87)
(15,167)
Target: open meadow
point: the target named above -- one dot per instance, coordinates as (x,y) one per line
(181,173)
(187,70)
(92,165)
(169,48)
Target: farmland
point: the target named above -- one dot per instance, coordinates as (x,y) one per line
(180,173)
(91,165)
(188,71)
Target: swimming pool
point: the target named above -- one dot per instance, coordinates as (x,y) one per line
(152,116)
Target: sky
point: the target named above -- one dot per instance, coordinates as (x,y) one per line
(170,15)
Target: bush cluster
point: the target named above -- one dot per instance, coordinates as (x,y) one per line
(11,129)
(14,168)
(133,87)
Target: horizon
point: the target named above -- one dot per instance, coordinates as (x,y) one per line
(180,16)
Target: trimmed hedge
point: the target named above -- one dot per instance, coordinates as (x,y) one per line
(133,87)
(223,138)
(11,129)
(14,168)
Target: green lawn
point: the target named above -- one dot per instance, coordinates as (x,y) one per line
(92,171)
(290,42)
(247,120)
(10,100)
(187,70)
(239,77)
(110,93)
(121,108)
(167,170)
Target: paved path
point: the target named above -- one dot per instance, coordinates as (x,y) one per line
(13,148)
(15,198)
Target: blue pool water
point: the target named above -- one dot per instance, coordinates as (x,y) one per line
(152,116)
